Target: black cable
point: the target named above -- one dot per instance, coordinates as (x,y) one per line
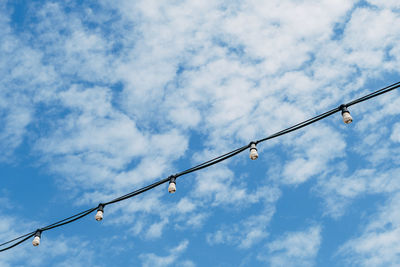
(374,94)
(204,164)
(5,243)
(70,221)
(211,160)
(300,125)
(16,244)
(137,192)
(66,219)
(214,161)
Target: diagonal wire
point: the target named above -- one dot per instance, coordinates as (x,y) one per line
(202,165)
(15,239)
(374,94)
(19,242)
(67,219)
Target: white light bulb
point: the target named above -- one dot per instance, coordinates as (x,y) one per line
(99,215)
(172,187)
(347,117)
(36,241)
(253,152)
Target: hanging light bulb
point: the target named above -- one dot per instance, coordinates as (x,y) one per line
(36,239)
(99,214)
(172,185)
(253,151)
(346,115)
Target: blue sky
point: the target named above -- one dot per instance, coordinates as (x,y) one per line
(99,98)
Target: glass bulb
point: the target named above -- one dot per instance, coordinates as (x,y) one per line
(172,187)
(347,117)
(253,152)
(99,215)
(36,241)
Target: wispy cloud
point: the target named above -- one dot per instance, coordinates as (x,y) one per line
(173,258)
(378,243)
(294,248)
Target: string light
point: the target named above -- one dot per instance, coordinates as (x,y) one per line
(36,239)
(172,179)
(253,151)
(346,114)
(172,185)
(99,214)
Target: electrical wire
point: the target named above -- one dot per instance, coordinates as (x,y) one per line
(83,214)
(19,242)
(53,225)
(15,239)
(214,161)
(374,94)
(203,165)
(300,125)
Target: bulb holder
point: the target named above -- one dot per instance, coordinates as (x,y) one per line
(172,184)
(253,151)
(346,114)
(36,239)
(100,212)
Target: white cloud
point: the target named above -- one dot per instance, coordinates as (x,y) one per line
(392,4)
(217,186)
(155,230)
(185,205)
(312,153)
(369,36)
(378,244)
(244,234)
(174,257)
(294,248)
(340,191)
(395,136)
(103,141)
(24,81)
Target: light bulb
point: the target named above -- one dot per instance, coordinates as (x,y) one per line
(36,240)
(172,185)
(99,214)
(346,115)
(253,151)
(172,188)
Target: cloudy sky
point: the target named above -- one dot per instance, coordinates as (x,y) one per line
(99,98)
